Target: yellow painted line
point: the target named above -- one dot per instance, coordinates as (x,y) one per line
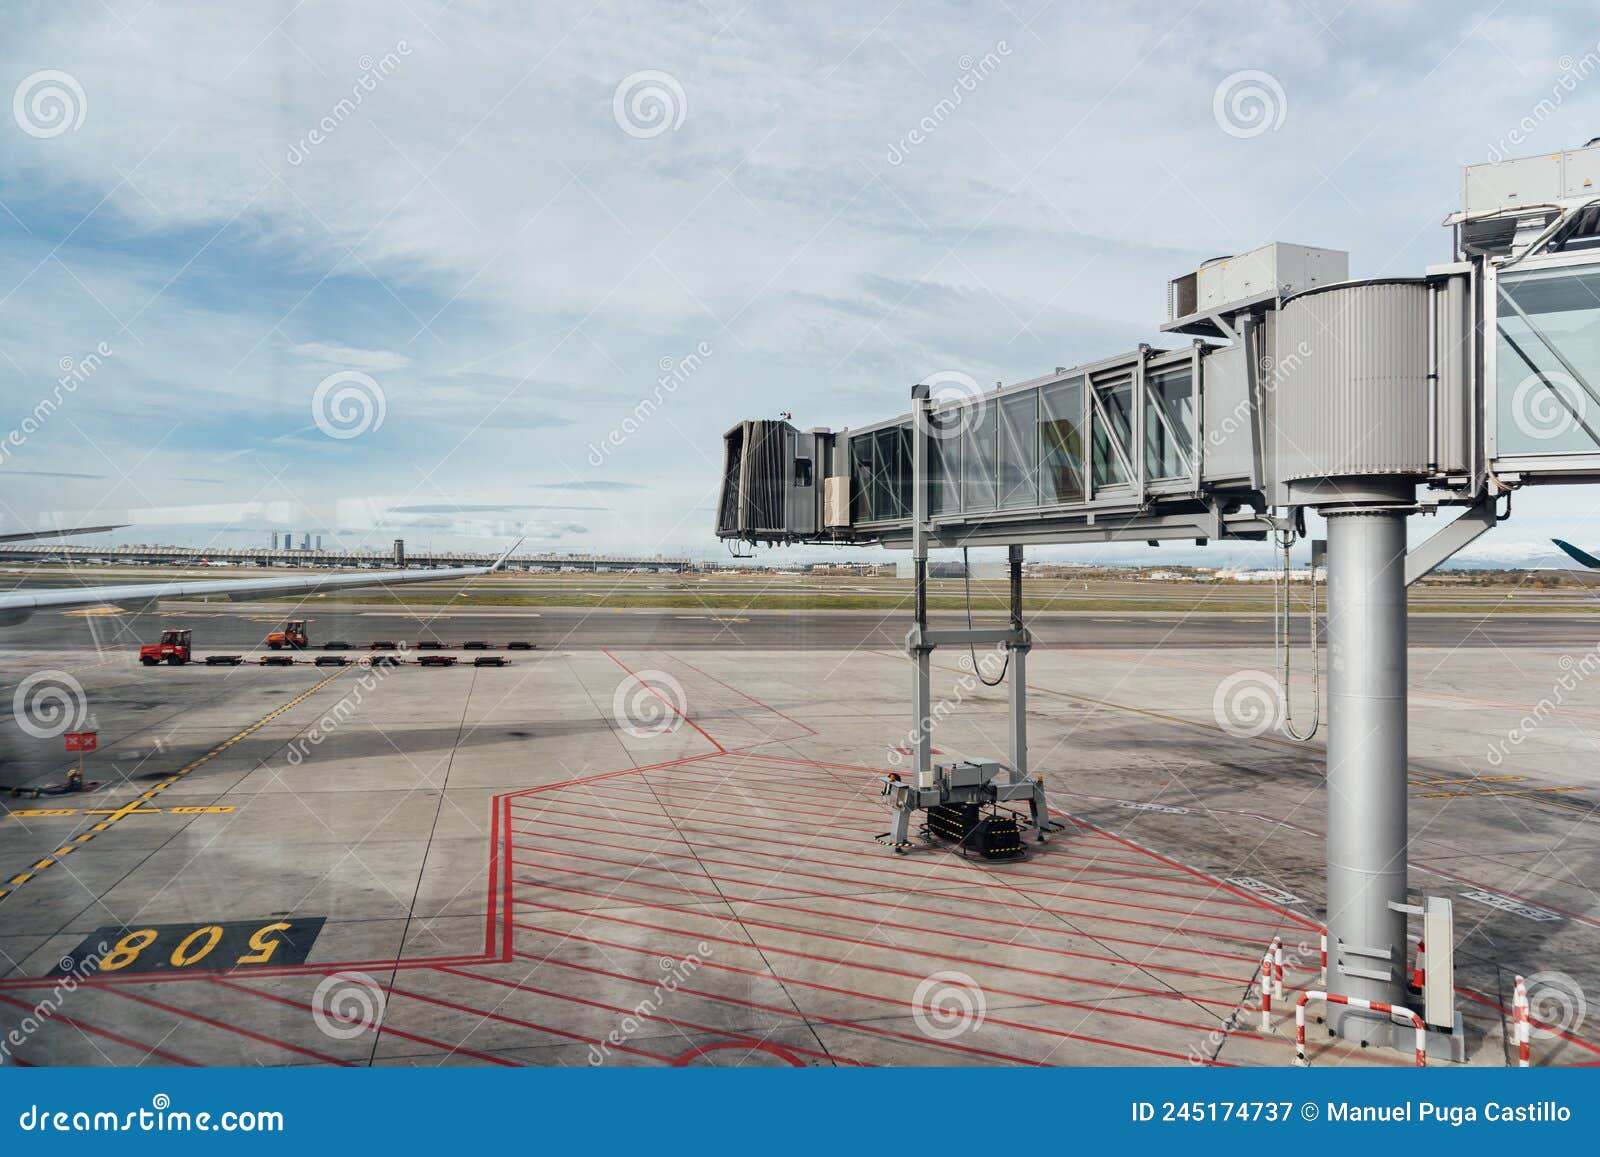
(133,808)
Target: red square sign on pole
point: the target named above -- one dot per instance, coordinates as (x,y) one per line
(82,740)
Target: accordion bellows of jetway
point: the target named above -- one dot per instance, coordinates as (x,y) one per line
(1297,385)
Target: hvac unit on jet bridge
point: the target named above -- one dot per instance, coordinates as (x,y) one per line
(1367,401)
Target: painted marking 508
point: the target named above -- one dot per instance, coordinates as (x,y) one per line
(219,947)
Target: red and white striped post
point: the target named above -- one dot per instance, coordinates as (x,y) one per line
(1392,1010)
(1324,957)
(1277,967)
(1520,1021)
(1419,965)
(1266,988)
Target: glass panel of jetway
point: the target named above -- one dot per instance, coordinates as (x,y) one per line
(1546,367)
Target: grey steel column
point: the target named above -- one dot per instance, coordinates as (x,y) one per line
(1366,636)
(1018,688)
(921,692)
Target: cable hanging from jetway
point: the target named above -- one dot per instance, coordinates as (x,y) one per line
(1282,642)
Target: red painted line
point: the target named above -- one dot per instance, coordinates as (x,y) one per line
(987,918)
(1158,993)
(671,705)
(127,1042)
(490,917)
(765,707)
(233,1028)
(970,873)
(1496,1005)
(855,849)
(1250,897)
(385,1028)
(677,1022)
(762,805)
(507,1019)
(745,824)
(768,1047)
(802,1018)
(787,869)
(921,1040)
(879,923)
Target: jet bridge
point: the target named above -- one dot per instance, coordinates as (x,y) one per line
(1282,385)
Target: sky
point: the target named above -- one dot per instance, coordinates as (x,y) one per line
(409,268)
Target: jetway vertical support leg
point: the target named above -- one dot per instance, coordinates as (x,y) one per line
(1019,674)
(1366,762)
(921,651)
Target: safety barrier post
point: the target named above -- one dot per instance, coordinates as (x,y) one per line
(1266,988)
(1392,1010)
(1520,1021)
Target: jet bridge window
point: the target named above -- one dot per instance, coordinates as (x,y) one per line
(863,469)
(892,494)
(1112,431)
(1019,449)
(1547,361)
(945,429)
(1061,419)
(978,455)
(1168,424)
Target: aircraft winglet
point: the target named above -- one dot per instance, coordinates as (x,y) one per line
(500,562)
(1581,556)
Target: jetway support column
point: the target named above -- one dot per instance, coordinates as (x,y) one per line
(916,641)
(1366,764)
(1018,688)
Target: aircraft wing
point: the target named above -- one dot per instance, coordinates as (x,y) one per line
(16,606)
(30,535)
(1581,556)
